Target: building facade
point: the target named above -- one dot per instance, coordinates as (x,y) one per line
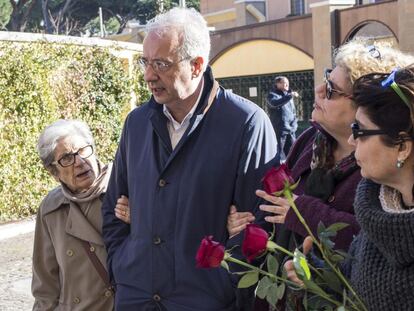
(255,40)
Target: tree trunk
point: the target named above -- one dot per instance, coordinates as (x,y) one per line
(20,14)
(46,17)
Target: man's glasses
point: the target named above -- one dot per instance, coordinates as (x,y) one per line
(158,65)
(69,158)
(329,89)
(357,132)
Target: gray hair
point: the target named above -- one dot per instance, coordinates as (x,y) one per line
(190,26)
(280,78)
(56,131)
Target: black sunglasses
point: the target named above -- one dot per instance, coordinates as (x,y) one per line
(357,132)
(329,89)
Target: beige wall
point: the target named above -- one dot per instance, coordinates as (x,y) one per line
(208,6)
(277,9)
(308,3)
(406,25)
(260,57)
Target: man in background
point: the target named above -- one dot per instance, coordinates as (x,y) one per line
(281,107)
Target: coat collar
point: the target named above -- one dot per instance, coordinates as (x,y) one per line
(159,120)
(77,224)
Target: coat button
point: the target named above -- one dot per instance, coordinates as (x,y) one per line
(76,300)
(162,183)
(331,199)
(156,297)
(157,240)
(92,249)
(108,293)
(69,252)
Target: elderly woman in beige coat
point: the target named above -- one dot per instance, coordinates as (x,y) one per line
(69,257)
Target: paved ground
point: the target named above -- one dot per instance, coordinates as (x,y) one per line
(16,247)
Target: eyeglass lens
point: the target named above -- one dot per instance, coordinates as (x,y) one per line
(69,159)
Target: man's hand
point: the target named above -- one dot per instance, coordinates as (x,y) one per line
(295,94)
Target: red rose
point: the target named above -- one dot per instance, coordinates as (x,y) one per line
(255,241)
(275,178)
(210,253)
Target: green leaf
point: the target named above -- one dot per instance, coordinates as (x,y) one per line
(341,308)
(272,264)
(332,281)
(248,279)
(272,295)
(301,265)
(321,227)
(295,185)
(281,290)
(225,265)
(337,258)
(313,287)
(262,288)
(337,226)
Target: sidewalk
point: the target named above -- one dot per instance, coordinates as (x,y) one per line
(16,248)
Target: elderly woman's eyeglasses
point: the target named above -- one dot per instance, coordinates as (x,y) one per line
(69,158)
(329,89)
(357,132)
(158,65)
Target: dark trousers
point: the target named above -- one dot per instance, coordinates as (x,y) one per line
(285,141)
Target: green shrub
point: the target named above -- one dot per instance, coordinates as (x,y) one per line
(41,82)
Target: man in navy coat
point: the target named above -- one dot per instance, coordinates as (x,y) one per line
(283,115)
(184,157)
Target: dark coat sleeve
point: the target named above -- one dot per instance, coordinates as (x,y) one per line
(275,101)
(114,230)
(256,157)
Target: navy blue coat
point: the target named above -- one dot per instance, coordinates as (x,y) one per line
(282,111)
(179,196)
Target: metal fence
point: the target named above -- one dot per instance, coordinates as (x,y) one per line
(257,87)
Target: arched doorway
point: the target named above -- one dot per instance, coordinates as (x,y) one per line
(375,30)
(249,69)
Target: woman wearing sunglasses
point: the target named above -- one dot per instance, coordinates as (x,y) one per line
(69,257)
(321,159)
(381,265)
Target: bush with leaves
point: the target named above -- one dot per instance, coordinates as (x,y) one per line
(40,83)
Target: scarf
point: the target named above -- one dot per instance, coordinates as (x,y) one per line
(325,173)
(97,188)
(391,201)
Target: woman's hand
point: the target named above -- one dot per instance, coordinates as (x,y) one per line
(237,221)
(122,210)
(280,207)
(289,267)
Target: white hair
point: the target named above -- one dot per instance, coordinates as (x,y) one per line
(190,26)
(56,131)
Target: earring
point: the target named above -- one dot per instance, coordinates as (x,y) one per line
(400,163)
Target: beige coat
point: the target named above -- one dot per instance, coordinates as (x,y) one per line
(64,278)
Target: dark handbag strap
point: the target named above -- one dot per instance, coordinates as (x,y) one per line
(90,251)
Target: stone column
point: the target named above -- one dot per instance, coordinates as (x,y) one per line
(322,30)
(406,25)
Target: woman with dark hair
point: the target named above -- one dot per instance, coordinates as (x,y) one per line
(321,160)
(381,265)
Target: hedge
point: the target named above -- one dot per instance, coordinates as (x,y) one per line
(40,83)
